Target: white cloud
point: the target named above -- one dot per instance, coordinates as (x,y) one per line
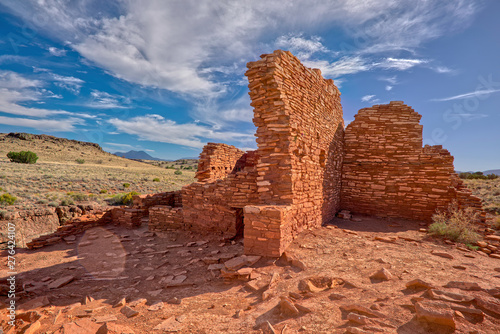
(391,80)
(57,52)
(388,87)
(400,64)
(345,65)
(13,80)
(58,125)
(104,100)
(71,84)
(157,128)
(301,47)
(475,93)
(367,98)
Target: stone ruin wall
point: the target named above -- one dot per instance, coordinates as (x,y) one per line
(215,204)
(299,136)
(387,172)
(217,161)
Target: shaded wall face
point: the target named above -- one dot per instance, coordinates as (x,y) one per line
(299,136)
(386,172)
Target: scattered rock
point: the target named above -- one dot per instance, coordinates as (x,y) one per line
(257,284)
(358,318)
(169,325)
(469,286)
(34,303)
(174,301)
(319,283)
(302,308)
(381,275)
(81,326)
(450,296)
(386,239)
(492,237)
(436,313)
(129,312)
(355,330)
(267,328)
(105,318)
(362,310)
(442,254)
(156,306)
(120,303)
(215,266)
(336,296)
(460,267)
(418,283)
(87,300)
(61,282)
(32,328)
(111,328)
(467,310)
(489,304)
(288,308)
(138,302)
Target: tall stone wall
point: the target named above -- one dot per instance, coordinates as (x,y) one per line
(217,161)
(299,137)
(386,172)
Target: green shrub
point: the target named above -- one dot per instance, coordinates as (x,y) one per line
(42,201)
(156,179)
(53,204)
(66,202)
(80,161)
(126,185)
(100,162)
(24,157)
(7,199)
(78,197)
(123,199)
(456,224)
(103,191)
(178,172)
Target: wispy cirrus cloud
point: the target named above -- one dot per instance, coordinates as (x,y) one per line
(104,100)
(476,93)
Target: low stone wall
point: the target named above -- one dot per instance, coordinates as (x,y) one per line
(128,217)
(144,202)
(71,228)
(163,218)
(268,229)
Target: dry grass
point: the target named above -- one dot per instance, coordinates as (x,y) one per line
(456,224)
(488,191)
(58,179)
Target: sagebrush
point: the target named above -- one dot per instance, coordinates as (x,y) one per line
(456,224)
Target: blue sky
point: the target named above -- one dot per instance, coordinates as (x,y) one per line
(168,76)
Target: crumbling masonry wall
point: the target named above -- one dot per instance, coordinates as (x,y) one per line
(299,137)
(387,173)
(217,161)
(213,204)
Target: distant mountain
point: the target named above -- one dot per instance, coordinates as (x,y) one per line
(136,155)
(492,171)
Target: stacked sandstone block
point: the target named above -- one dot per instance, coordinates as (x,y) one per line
(267,229)
(144,202)
(164,217)
(299,136)
(386,172)
(217,161)
(211,206)
(128,217)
